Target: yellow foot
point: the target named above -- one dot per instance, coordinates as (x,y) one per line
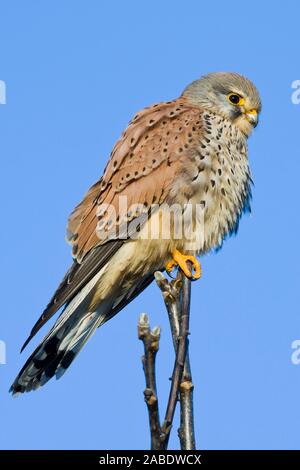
(181,260)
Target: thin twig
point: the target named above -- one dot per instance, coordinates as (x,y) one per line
(186,431)
(151,344)
(181,349)
(173,293)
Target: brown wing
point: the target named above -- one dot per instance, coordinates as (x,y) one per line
(142,166)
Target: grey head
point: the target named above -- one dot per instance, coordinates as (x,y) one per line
(228,94)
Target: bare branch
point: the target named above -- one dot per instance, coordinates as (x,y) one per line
(173,293)
(151,345)
(186,431)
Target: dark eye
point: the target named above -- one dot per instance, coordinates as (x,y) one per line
(235,99)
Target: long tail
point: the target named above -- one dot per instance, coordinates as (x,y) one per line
(62,344)
(69,334)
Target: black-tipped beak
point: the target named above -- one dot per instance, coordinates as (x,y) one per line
(252,117)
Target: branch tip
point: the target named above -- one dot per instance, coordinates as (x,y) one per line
(176,295)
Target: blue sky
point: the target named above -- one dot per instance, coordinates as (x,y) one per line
(75,73)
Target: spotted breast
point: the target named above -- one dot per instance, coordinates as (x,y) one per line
(218,175)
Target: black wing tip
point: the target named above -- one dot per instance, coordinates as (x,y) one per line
(47,313)
(26,342)
(16,390)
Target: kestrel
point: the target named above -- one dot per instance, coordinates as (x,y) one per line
(187,153)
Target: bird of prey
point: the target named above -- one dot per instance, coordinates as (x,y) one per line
(191,151)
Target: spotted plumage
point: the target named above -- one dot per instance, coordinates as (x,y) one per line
(188,153)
